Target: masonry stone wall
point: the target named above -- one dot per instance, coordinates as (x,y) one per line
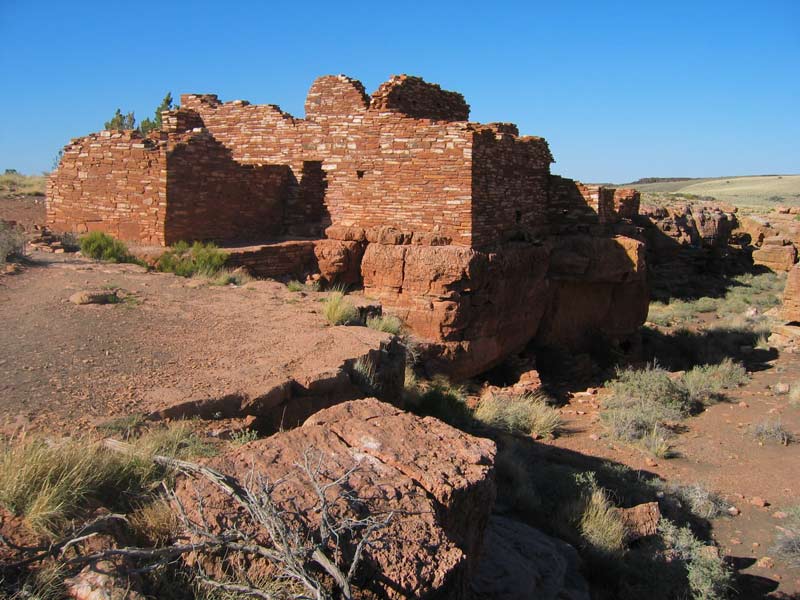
(213,197)
(113,182)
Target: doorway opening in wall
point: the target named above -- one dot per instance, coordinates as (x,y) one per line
(517,216)
(360,174)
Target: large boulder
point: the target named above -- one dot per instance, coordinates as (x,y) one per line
(436,479)
(522,563)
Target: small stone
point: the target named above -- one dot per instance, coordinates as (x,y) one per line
(594,437)
(744,404)
(758,501)
(781,388)
(779,514)
(650,462)
(735,541)
(591,391)
(733,511)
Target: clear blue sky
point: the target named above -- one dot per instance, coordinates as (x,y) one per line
(621,90)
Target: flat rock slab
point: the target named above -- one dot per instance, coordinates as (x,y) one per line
(63,363)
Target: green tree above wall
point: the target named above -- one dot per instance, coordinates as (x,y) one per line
(149,125)
(120,121)
(128,121)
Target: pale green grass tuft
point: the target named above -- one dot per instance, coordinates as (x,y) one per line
(771,431)
(386,324)
(524,413)
(338,309)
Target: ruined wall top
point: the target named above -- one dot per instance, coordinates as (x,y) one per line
(417,98)
(335,95)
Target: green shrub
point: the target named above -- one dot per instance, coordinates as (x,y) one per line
(101,246)
(651,385)
(338,309)
(706,383)
(229,277)
(386,323)
(709,577)
(198,259)
(295,286)
(524,413)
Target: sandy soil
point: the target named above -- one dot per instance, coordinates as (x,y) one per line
(717,452)
(172,339)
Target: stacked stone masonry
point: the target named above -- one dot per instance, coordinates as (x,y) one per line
(458,227)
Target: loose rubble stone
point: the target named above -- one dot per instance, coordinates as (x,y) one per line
(94,297)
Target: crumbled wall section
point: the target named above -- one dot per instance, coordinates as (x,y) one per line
(419,99)
(113,182)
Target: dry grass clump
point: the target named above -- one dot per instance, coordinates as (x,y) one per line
(17,183)
(794,393)
(698,499)
(447,402)
(338,309)
(43,583)
(156,522)
(522,413)
(771,431)
(50,484)
(386,324)
(229,277)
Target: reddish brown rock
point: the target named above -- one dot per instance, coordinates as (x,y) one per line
(339,261)
(438,479)
(776,256)
(641,520)
(791,296)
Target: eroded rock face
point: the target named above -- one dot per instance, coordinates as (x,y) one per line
(438,479)
(791,296)
(702,225)
(521,563)
(477,307)
(777,254)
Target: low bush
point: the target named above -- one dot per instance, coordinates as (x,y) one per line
(12,242)
(338,309)
(386,323)
(295,286)
(101,246)
(155,523)
(771,431)
(523,413)
(706,383)
(698,499)
(188,260)
(651,384)
(709,577)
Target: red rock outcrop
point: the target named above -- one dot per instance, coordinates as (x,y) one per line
(437,479)
(776,253)
(791,296)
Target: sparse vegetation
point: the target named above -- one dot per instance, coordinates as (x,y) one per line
(295,286)
(12,182)
(155,523)
(646,402)
(52,483)
(698,499)
(205,260)
(12,242)
(787,544)
(101,246)
(445,401)
(708,576)
(364,376)
(244,436)
(386,323)
(771,431)
(338,309)
(523,413)
(229,277)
